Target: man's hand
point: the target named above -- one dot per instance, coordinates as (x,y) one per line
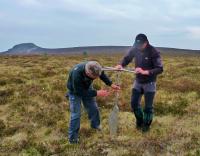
(141,71)
(115,87)
(102,93)
(119,67)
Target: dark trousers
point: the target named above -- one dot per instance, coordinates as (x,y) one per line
(143,116)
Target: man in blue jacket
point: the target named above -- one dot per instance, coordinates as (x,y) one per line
(80,90)
(148,65)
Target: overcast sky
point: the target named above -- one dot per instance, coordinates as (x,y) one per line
(70,23)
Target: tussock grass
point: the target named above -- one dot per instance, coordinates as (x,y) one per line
(34,113)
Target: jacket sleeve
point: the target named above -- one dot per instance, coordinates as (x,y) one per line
(105,79)
(157,63)
(79,87)
(128,57)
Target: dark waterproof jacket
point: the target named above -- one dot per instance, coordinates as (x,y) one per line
(80,84)
(149,59)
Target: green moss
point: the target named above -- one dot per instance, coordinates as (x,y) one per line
(30,152)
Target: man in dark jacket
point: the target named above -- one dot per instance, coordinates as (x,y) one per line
(148,65)
(80,90)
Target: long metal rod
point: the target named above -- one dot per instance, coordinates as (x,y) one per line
(117,93)
(114,69)
(113,117)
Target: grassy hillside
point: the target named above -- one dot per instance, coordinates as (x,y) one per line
(34,113)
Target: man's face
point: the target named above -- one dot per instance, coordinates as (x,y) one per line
(91,76)
(143,46)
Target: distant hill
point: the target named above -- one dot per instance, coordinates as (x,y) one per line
(32,49)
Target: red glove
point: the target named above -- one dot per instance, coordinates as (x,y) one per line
(102,93)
